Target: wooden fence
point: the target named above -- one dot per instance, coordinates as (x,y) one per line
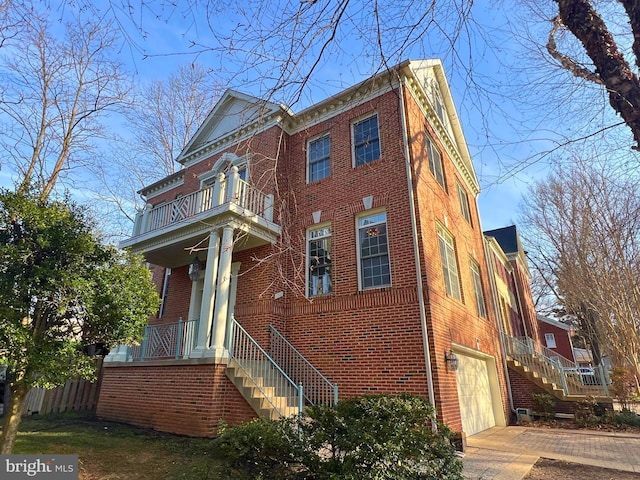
(73,396)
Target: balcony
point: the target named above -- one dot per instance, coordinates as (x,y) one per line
(166,233)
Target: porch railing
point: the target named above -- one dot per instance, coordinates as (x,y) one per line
(563,373)
(229,189)
(318,389)
(171,340)
(267,375)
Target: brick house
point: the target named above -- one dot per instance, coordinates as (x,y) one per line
(538,356)
(306,256)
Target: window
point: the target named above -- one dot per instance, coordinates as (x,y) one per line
(366,140)
(318,156)
(464,203)
(477,288)
(373,250)
(319,261)
(449,264)
(550,339)
(435,162)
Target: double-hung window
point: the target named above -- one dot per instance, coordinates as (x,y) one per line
(318,154)
(319,261)
(435,162)
(449,264)
(464,203)
(373,251)
(366,140)
(550,340)
(477,287)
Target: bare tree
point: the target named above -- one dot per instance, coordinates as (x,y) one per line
(168,112)
(162,118)
(584,225)
(58,87)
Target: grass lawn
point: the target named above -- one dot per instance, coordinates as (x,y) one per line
(113,451)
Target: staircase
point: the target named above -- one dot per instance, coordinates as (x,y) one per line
(262,387)
(274,390)
(552,372)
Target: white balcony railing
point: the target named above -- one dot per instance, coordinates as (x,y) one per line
(229,189)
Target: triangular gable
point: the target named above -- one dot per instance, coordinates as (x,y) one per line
(429,71)
(233,111)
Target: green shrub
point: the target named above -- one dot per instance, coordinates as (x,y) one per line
(260,449)
(364,438)
(544,404)
(623,418)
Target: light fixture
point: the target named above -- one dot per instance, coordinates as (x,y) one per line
(451,359)
(194,270)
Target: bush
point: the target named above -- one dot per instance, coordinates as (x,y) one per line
(622,386)
(372,437)
(588,412)
(544,404)
(623,418)
(260,449)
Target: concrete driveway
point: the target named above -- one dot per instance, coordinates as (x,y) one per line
(508,453)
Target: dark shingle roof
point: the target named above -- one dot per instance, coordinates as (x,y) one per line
(507,238)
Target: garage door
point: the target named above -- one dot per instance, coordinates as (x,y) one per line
(474,393)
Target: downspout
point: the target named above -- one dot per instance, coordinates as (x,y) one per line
(416,249)
(496,308)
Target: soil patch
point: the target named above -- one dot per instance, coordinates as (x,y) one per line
(548,469)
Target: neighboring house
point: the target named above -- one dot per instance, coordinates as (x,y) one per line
(537,350)
(349,231)
(516,294)
(557,336)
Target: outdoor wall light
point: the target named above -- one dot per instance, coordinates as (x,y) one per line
(194,270)
(451,359)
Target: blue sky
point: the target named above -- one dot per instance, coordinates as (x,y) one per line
(511,103)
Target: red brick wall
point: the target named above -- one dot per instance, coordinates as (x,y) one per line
(367,341)
(182,399)
(450,320)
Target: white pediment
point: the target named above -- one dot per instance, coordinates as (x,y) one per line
(233,112)
(431,77)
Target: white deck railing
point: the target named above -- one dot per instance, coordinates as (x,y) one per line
(229,189)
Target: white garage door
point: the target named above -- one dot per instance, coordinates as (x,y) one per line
(474,393)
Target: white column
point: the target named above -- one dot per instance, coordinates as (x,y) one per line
(233,184)
(235,268)
(208,297)
(218,191)
(119,354)
(222,294)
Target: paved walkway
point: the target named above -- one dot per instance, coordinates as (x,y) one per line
(508,453)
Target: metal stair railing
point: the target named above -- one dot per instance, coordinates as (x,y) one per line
(169,340)
(256,363)
(555,368)
(525,353)
(318,389)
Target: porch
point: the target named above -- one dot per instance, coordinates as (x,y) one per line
(276,380)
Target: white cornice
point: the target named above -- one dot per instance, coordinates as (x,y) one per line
(342,102)
(236,136)
(417,92)
(164,185)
